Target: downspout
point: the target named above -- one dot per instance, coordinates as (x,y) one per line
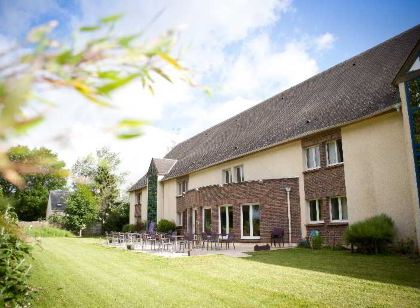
(288,189)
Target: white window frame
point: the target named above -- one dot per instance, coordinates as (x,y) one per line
(181,187)
(203,218)
(251,225)
(179,218)
(228,227)
(318,210)
(224,177)
(314,160)
(340,214)
(241,168)
(336,153)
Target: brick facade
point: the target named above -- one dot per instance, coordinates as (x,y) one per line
(324,183)
(269,194)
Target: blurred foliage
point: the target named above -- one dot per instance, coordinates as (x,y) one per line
(94,66)
(43,172)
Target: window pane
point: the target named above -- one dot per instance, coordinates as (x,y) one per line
(344,208)
(340,151)
(230,213)
(256,220)
(245,220)
(332,154)
(223,220)
(335,214)
(309,158)
(207,220)
(317,158)
(313,210)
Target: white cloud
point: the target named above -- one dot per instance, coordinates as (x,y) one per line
(325,41)
(241,77)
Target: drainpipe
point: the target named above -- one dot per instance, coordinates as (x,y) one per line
(288,189)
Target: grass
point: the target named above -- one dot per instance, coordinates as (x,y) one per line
(74,272)
(46,231)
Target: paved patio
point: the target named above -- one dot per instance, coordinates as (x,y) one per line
(241,250)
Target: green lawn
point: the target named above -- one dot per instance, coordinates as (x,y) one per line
(72,272)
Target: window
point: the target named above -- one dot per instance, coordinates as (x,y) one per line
(207,220)
(338,209)
(179,219)
(250,221)
(239,174)
(227,176)
(334,151)
(182,187)
(314,211)
(225,219)
(312,157)
(138,198)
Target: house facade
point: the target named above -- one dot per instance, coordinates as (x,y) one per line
(335,149)
(56,202)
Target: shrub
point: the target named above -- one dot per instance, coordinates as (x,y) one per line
(303,243)
(317,241)
(57,220)
(371,235)
(45,231)
(406,247)
(129,228)
(117,217)
(165,226)
(14,270)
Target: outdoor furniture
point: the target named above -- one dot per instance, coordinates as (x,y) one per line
(204,240)
(187,242)
(213,239)
(228,239)
(277,235)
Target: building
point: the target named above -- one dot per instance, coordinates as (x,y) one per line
(56,202)
(337,148)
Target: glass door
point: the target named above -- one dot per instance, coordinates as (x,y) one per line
(225,219)
(250,221)
(207,220)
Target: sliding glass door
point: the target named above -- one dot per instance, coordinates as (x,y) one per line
(250,221)
(225,219)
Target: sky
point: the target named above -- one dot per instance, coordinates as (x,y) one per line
(244,50)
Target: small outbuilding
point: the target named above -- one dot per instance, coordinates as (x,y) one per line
(56,202)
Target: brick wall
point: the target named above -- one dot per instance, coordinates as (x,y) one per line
(324,183)
(269,194)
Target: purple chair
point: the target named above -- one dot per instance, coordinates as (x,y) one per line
(277,235)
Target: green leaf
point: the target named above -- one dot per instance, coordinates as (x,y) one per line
(126,40)
(109,87)
(161,73)
(111,19)
(129,135)
(113,75)
(67,57)
(167,58)
(131,123)
(89,28)
(22,126)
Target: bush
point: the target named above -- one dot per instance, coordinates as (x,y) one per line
(317,241)
(117,217)
(303,243)
(14,270)
(57,220)
(165,226)
(45,231)
(406,247)
(140,226)
(371,235)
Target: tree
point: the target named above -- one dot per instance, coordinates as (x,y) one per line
(101,172)
(44,172)
(82,208)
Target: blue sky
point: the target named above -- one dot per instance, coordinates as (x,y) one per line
(246,51)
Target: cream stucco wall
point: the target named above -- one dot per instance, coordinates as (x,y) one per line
(169,204)
(376,169)
(132,200)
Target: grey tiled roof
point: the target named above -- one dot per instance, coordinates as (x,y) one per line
(351,90)
(139,184)
(58,200)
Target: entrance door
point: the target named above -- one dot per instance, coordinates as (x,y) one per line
(225,219)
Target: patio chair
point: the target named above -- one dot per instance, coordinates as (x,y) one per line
(187,242)
(204,240)
(277,235)
(229,238)
(214,239)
